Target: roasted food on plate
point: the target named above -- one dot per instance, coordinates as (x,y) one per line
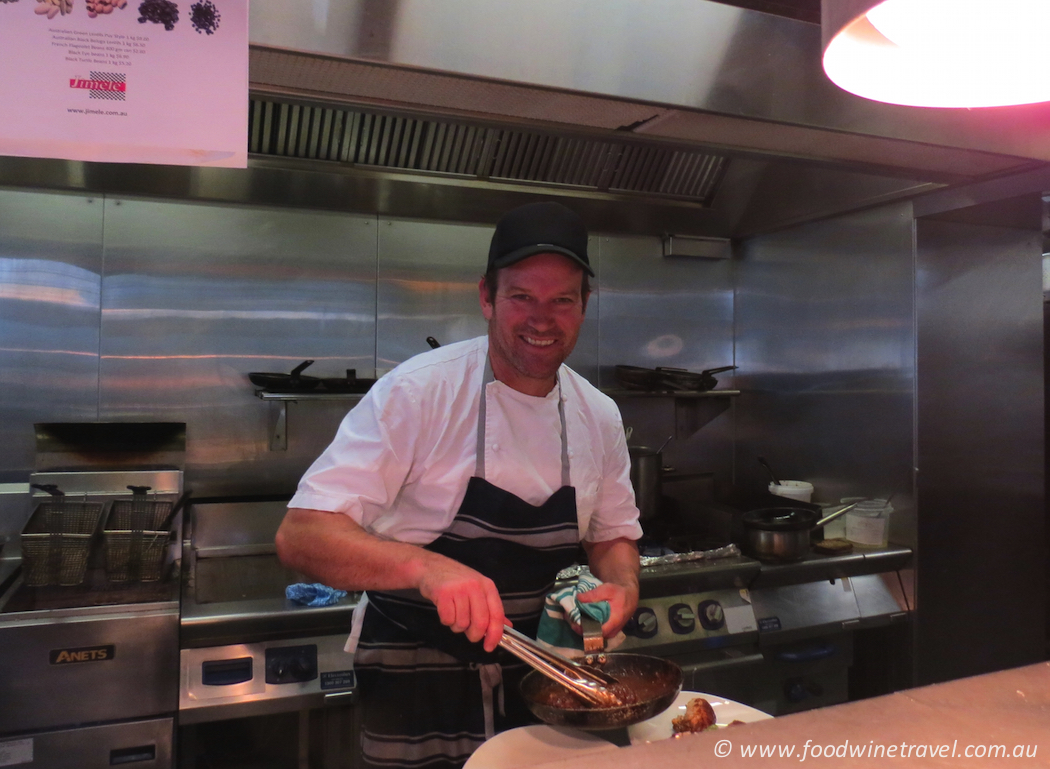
(699,715)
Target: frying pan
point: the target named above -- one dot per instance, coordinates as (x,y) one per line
(663,683)
(680,379)
(349,384)
(637,377)
(285,383)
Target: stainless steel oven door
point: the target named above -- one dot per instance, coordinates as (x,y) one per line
(145,744)
(88,665)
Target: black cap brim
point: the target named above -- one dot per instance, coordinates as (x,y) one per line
(506,260)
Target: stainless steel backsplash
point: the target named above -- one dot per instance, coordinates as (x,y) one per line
(118,309)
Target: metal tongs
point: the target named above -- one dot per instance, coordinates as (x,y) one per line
(587,682)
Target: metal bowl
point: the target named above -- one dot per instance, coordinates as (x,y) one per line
(662,679)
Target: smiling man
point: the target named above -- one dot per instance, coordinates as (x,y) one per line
(454,493)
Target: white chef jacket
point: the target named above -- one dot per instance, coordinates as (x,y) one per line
(400,461)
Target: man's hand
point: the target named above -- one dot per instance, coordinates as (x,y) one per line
(619,601)
(615,562)
(467,601)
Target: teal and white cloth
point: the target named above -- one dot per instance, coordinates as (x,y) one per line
(562,610)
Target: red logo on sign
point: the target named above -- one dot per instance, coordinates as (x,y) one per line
(97,85)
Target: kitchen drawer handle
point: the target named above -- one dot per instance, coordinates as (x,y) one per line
(226,672)
(132,755)
(812,654)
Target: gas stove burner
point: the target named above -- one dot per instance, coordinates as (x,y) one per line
(652,546)
(691,544)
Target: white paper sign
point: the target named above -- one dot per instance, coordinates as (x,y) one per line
(126,81)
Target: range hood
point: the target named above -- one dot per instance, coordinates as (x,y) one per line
(690,104)
(362,137)
(684,117)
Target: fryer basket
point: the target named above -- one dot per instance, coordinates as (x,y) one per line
(135,547)
(56,542)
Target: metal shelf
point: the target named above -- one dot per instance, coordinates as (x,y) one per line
(279,410)
(684,394)
(692,410)
(309,395)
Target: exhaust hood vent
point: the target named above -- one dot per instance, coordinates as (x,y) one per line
(402,143)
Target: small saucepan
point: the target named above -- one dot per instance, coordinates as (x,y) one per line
(782,534)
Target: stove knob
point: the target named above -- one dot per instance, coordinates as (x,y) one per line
(681,618)
(712,616)
(643,624)
(301,669)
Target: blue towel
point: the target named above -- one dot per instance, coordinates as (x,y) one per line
(562,608)
(313,595)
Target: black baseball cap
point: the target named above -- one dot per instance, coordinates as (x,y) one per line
(539,228)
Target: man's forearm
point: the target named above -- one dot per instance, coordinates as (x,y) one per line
(616,561)
(334,549)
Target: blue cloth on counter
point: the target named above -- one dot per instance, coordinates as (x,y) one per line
(313,595)
(562,609)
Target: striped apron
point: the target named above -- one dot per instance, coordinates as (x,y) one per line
(430,697)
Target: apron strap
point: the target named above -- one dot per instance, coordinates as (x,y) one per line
(491,675)
(479,463)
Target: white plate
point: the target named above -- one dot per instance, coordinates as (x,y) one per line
(537,744)
(726,711)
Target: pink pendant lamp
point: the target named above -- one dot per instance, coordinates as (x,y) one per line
(939,53)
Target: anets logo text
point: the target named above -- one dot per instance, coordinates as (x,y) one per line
(83,654)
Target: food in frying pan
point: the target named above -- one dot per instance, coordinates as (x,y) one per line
(655,682)
(631,689)
(698,716)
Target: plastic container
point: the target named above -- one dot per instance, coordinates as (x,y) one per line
(868,524)
(800,490)
(837,528)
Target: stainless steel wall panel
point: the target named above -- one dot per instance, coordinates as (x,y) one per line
(675,312)
(50,283)
(195,297)
(981,587)
(825,344)
(663,311)
(427,285)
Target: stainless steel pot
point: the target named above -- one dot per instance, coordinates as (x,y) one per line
(646,474)
(782,534)
(646,471)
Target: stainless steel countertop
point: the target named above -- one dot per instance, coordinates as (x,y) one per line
(229,614)
(741,571)
(237,599)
